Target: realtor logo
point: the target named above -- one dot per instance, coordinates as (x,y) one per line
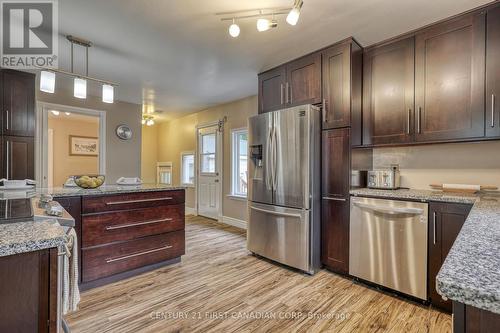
(29,34)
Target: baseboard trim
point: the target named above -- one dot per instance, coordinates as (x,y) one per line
(234,222)
(190,210)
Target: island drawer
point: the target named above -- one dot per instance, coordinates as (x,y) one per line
(111,259)
(108,227)
(134,200)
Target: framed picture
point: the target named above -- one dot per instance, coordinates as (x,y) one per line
(83,146)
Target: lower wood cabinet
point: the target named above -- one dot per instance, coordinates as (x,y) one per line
(28,290)
(335,234)
(468,319)
(445,222)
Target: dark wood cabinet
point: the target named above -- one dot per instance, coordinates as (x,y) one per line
(336,147)
(335,234)
(18,103)
(19,156)
(469,319)
(341,85)
(295,83)
(29,292)
(449,80)
(272,89)
(388,93)
(336,165)
(445,222)
(493,72)
(303,81)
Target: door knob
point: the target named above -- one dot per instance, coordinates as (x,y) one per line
(216,180)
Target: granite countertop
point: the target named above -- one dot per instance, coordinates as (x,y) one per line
(106,189)
(471,271)
(24,237)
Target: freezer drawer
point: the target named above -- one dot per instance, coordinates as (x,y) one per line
(388,244)
(280,234)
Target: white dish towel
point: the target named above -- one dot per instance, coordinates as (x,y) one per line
(71,293)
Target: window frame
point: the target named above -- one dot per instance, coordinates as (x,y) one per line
(186,153)
(235,154)
(166,165)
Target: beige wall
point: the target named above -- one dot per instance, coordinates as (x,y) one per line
(123,158)
(149,153)
(463,163)
(64,164)
(179,135)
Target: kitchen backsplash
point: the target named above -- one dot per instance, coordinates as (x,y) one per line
(466,163)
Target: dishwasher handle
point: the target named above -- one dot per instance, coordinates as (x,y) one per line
(389,209)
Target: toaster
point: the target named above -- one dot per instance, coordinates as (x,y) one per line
(383,179)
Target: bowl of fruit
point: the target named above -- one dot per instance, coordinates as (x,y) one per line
(89,181)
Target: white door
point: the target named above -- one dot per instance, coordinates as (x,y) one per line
(209,172)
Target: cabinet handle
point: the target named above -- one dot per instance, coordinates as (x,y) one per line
(110,260)
(325,119)
(281,93)
(8,159)
(408,122)
(123,226)
(136,201)
(334,199)
(434,228)
(7,120)
(492,110)
(418,119)
(291,93)
(286,92)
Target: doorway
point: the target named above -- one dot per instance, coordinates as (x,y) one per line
(209,184)
(70,141)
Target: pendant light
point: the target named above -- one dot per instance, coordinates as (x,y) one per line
(108,93)
(234,30)
(293,16)
(80,88)
(47,82)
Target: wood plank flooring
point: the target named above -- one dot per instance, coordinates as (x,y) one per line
(220,287)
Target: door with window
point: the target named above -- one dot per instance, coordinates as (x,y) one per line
(209,172)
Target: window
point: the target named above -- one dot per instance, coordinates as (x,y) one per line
(164,173)
(208,142)
(239,154)
(187,168)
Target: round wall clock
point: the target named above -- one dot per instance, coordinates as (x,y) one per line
(124,132)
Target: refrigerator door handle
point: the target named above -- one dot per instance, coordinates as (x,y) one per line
(269,159)
(275,159)
(272,212)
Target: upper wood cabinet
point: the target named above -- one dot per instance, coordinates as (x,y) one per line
(342,85)
(295,83)
(388,93)
(272,89)
(18,103)
(18,157)
(493,72)
(445,222)
(449,80)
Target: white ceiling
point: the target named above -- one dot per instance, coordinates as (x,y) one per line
(177,55)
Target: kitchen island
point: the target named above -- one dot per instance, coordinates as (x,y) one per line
(124,230)
(470,274)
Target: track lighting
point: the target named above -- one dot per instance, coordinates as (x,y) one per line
(234,30)
(265,24)
(55,112)
(47,81)
(293,16)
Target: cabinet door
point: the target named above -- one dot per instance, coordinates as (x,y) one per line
(337,86)
(18,157)
(493,72)
(336,163)
(445,222)
(388,87)
(449,80)
(335,234)
(18,103)
(303,85)
(272,90)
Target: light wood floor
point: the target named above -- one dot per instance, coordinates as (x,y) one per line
(218,283)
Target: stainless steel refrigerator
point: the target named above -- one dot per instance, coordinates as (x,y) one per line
(283,187)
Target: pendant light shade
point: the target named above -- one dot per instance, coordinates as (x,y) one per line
(108,93)
(80,88)
(293,16)
(263,24)
(47,82)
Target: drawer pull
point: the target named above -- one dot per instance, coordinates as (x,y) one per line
(122,226)
(136,201)
(110,260)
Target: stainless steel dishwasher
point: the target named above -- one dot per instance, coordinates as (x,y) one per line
(388,244)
